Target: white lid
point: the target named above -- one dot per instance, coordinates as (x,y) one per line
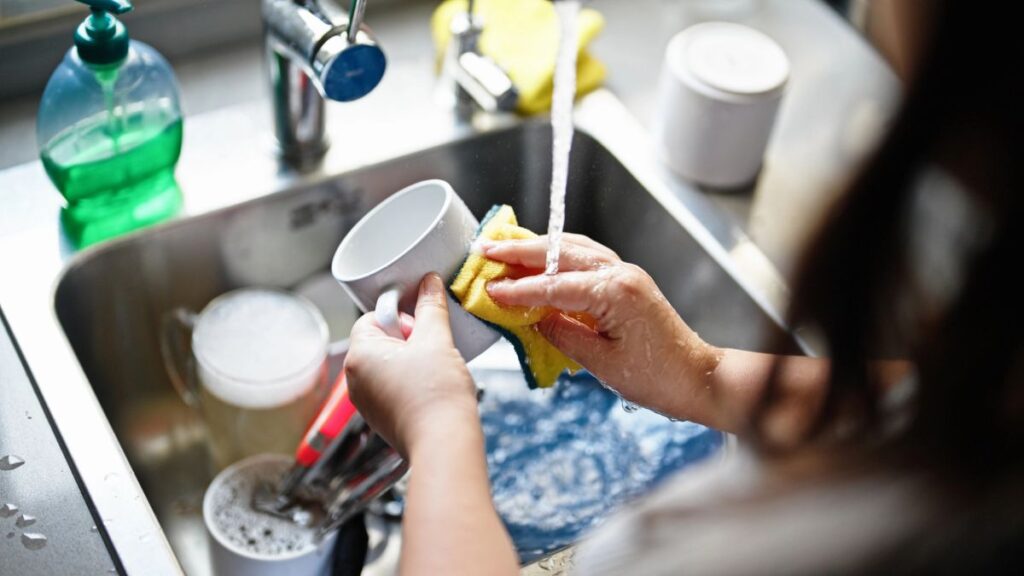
(729,57)
(259,348)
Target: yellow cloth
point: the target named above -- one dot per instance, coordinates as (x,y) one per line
(542,362)
(522,37)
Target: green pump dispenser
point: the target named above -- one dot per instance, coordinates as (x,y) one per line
(109,130)
(101,38)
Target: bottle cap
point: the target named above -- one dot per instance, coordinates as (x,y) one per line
(101,38)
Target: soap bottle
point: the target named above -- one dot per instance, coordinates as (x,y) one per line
(109,130)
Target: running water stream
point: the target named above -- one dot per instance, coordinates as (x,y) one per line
(561,124)
(562,128)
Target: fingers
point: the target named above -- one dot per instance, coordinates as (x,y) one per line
(406,323)
(587,241)
(522,253)
(568,291)
(432,312)
(574,338)
(368,327)
(364,346)
(576,253)
(431,317)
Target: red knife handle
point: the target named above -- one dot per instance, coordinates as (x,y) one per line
(333,418)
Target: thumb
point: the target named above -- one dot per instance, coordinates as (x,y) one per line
(575,339)
(432,312)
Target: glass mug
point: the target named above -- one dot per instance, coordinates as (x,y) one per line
(254,364)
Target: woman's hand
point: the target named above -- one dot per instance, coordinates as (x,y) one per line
(628,335)
(405,388)
(418,395)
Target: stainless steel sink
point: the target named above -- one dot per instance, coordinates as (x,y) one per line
(110,302)
(87,322)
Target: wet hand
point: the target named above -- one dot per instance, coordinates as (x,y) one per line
(409,389)
(612,319)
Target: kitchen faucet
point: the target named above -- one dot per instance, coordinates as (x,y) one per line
(479,82)
(315,50)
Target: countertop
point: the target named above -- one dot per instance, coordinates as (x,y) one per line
(45,520)
(841,94)
(839,98)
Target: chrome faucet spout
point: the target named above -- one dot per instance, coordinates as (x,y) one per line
(315,51)
(479,82)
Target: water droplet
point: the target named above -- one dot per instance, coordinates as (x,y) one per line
(33,540)
(111,570)
(628,406)
(8,510)
(25,520)
(10,462)
(94,529)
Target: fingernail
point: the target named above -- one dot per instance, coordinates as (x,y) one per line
(496,285)
(431,284)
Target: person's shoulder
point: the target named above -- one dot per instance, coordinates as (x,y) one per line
(733,517)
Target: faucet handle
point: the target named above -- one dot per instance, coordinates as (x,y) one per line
(349,70)
(353,68)
(334,49)
(355,19)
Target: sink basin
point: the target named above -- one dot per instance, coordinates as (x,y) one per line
(109,302)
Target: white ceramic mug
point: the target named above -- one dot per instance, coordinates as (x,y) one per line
(423,228)
(227,512)
(720,89)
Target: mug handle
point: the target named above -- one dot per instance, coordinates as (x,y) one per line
(176,348)
(386,312)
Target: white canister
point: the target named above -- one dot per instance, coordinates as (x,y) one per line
(720,90)
(244,542)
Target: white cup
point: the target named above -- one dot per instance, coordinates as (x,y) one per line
(226,510)
(423,228)
(254,364)
(720,89)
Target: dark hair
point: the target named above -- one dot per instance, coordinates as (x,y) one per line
(856,285)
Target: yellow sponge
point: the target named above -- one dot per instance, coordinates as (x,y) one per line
(542,363)
(522,36)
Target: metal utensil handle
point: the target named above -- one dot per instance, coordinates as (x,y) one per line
(176,349)
(355,497)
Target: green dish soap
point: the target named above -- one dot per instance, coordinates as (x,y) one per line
(109,130)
